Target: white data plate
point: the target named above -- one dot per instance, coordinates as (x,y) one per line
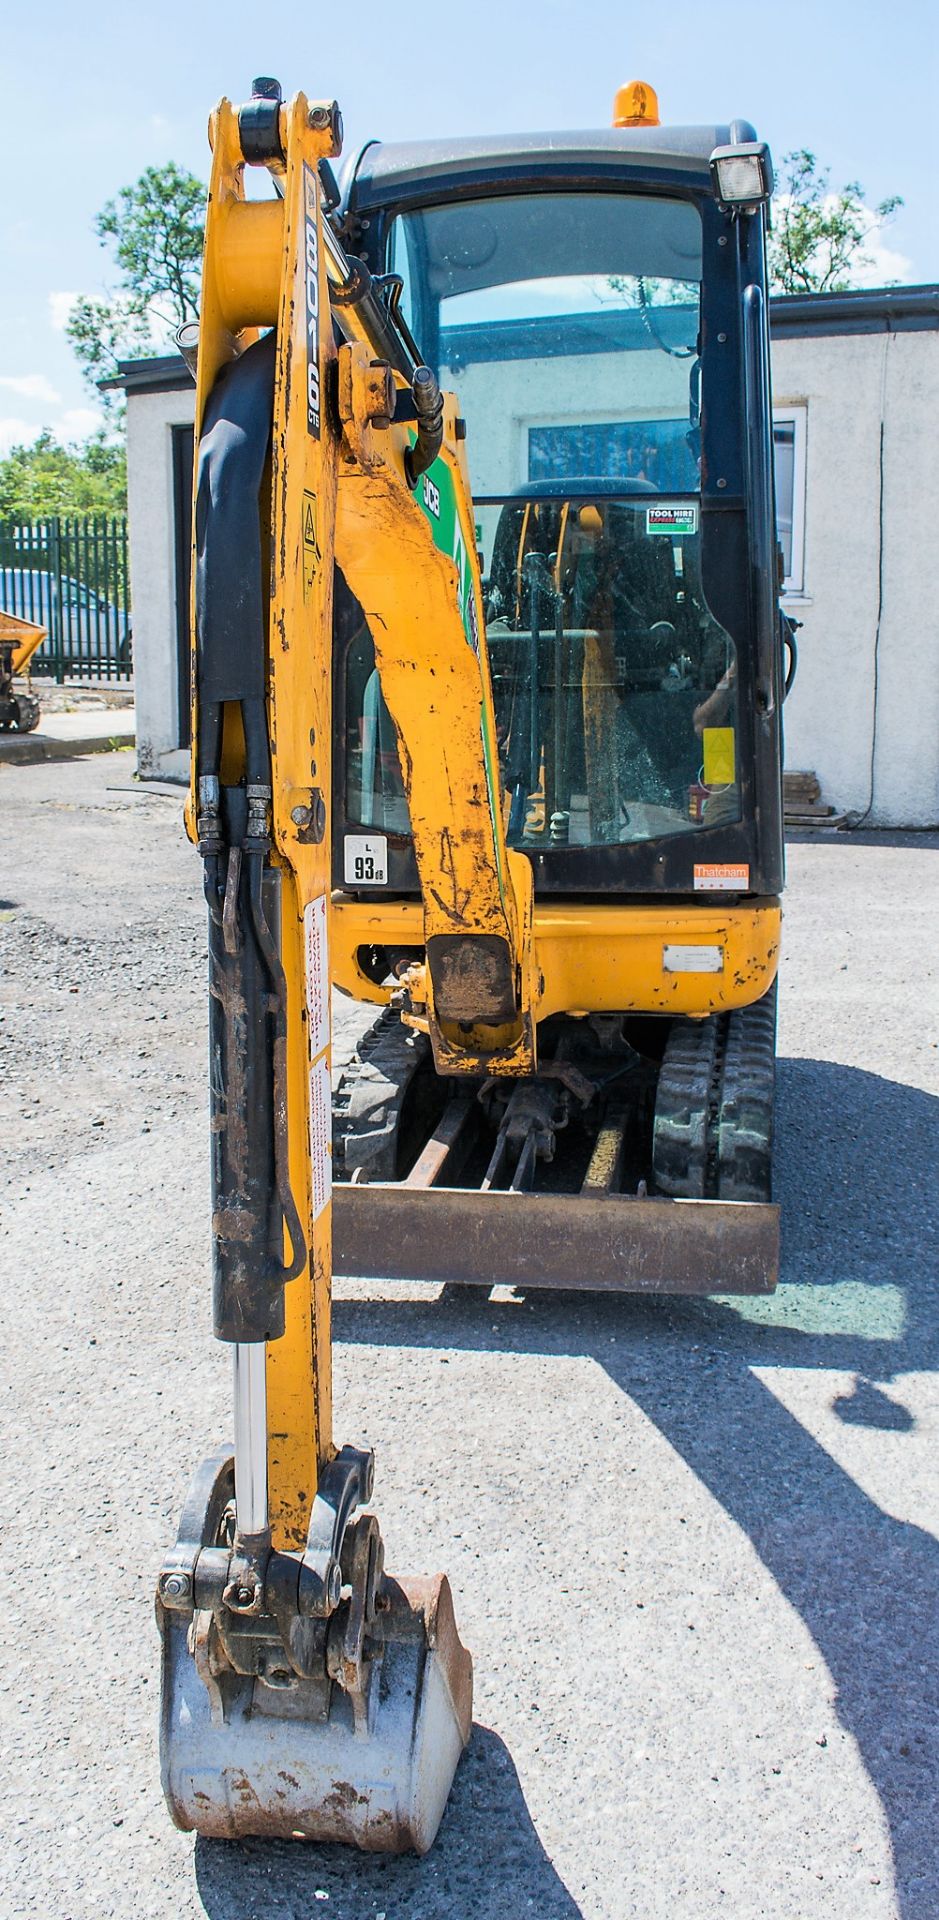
(321,1135)
(366,860)
(317,972)
(693,959)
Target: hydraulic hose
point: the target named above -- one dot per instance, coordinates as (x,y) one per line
(428,402)
(272,961)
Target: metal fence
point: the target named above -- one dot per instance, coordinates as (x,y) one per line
(69,573)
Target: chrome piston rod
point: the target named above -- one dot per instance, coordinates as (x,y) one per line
(250,1396)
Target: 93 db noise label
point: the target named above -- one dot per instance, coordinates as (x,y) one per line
(366,860)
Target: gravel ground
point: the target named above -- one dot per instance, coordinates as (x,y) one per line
(693,1545)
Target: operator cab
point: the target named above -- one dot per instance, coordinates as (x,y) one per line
(601,315)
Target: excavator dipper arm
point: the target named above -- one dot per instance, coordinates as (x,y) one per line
(411,561)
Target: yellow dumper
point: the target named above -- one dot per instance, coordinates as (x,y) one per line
(19,639)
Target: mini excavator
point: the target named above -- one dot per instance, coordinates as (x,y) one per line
(486,731)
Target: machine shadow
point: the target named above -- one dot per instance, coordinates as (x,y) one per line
(909,838)
(487,1863)
(856,1163)
(861,1258)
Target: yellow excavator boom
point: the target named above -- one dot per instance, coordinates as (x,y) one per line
(290,1656)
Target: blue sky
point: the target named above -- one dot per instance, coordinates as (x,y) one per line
(92,95)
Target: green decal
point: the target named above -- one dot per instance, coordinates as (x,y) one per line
(436,495)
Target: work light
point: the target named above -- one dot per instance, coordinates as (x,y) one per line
(742,176)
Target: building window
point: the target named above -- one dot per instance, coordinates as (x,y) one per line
(626,450)
(789,451)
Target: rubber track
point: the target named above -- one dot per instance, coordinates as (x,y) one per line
(713,1136)
(369,1086)
(745,1128)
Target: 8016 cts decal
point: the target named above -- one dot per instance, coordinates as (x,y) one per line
(311,208)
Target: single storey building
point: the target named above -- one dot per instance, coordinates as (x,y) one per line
(856,406)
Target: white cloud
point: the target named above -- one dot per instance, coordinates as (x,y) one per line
(16,433)
(883,264)
(60,306)
(75,423)
(78,422)
(31,386)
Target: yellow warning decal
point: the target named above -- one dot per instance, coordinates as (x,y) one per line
(719,756)
(311,547)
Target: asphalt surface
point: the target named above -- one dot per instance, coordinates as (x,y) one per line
(693,1545)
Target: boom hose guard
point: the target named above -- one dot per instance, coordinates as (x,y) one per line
(251,1193)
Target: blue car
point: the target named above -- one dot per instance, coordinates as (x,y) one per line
(85,626)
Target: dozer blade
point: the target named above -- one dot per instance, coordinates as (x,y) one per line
(615,1244)
(289,1759)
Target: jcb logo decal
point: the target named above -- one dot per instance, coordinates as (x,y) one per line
(431,497)
(311,277)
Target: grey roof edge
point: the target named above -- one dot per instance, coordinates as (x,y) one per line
(160,373)
(862,310)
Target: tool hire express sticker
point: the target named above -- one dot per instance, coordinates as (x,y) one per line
(681,518)
(311,276)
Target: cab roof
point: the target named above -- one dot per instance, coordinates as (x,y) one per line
(386,173)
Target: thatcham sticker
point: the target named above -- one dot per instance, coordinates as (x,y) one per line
(721,876)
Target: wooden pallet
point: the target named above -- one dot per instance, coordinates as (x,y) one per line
(803,805)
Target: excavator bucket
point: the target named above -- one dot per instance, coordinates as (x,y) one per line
(260,1770)
(371,1766)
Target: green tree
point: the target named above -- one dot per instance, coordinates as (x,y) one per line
(817,240)
(154,232)
(101,334)
(47,478)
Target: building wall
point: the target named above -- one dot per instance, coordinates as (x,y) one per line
(855,543)
(151,418)
(861,552)
(501,400)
